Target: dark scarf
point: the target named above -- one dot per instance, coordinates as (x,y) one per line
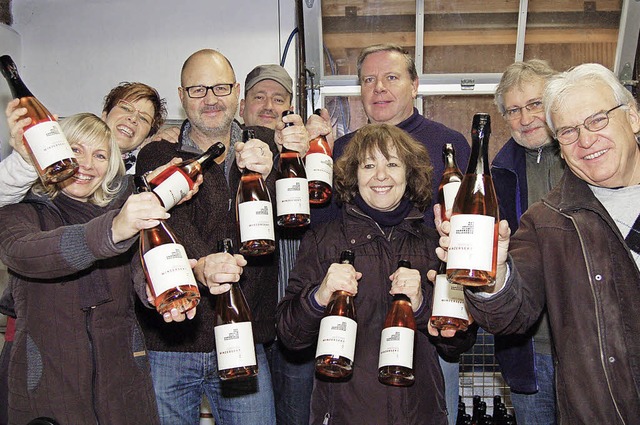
(93,290)
(385,218)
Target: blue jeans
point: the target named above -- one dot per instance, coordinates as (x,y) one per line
(540,407)
(451,373)
(292,375)
(180,380)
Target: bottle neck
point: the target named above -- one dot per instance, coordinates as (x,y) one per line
(479,159)
(401,297)
(450,161)
(214,151)
(16,85)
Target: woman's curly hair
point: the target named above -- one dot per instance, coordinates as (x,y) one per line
(413,155)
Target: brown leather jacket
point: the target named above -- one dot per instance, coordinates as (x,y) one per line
(569,254)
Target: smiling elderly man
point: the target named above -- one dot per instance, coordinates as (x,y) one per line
(578,252)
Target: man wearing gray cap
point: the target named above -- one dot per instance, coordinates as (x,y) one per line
(268,90)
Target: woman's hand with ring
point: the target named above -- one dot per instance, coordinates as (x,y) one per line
(407,281)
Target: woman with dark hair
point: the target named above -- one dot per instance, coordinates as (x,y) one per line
(133,112)
(384,180)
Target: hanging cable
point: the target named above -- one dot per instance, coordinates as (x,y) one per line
(286,46)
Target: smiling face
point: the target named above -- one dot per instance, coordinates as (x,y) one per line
(93,161)
(210,115)
(130,122)
(609,157)
(381,181)
(387,91)
(264,103)
(530,129)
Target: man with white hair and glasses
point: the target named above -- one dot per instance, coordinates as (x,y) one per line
(577,252)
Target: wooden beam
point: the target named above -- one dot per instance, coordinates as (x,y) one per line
(472,37)
(408,7)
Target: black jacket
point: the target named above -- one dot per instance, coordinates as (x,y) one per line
(362,399)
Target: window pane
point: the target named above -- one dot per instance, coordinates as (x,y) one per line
(457,113)
(469,36)
(347,113)
(350,25)
(568,32)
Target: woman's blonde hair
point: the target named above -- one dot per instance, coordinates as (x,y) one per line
(413,154)
(91,130)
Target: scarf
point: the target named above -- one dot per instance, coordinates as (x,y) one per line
(93,283)
(385,218)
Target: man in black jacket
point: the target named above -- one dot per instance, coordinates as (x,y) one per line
(183,355)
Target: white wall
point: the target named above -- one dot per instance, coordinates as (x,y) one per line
(75,51)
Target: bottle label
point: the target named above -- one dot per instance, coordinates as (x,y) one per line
(234,345)
(337,337)
(450,190)
(448,299)
(292,196)
(172,189)
(319,167)
(256,221)
(168,267)
(48,143)
(471,242)
(396,347)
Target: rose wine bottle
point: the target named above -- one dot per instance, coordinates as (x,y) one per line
(395,364)
(254,211)
(172,184)
(337,335)
(292,189)
(319,167)
(451,180)
(166,266)
(473,246)
(235,349)
(46,144)
(448,309)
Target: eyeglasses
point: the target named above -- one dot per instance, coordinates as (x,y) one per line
(534,107)
(597,121)
(129,109)
(219,90)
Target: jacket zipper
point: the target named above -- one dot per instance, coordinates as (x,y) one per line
(88,314)
(539,154)
(593,293)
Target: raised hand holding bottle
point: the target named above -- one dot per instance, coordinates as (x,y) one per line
(319,167)
(235,350)
(292,189)
(395,364)
(175,182)
(472,252)
(166,266)
(337,336)
(46,144)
